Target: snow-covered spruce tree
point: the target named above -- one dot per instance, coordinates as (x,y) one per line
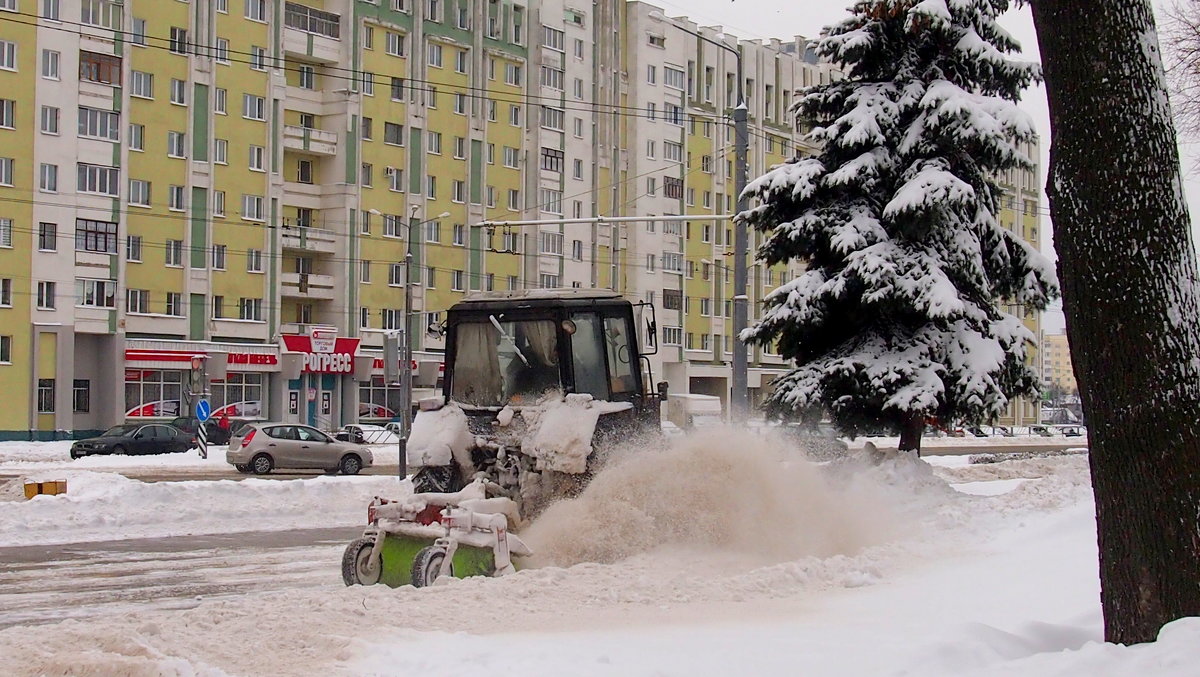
(897,318)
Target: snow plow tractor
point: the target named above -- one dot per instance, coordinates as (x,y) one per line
(537,384)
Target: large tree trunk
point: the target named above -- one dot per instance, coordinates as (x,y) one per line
(1128,275)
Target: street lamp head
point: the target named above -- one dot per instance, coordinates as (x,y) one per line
(412,211)
(443,215)
(374,211)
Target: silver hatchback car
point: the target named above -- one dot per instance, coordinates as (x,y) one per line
(263,447)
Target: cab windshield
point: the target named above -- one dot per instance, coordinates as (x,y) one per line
(499,362)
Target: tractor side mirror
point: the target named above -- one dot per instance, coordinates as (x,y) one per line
(662,390)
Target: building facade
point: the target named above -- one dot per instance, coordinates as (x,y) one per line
(1056,365)
(243,179)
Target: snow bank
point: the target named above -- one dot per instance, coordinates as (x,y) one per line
(33,455)
(109,506)
(440,436)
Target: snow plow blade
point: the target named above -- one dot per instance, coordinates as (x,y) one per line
(400,550)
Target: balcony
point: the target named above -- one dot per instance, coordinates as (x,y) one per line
(315,240)
(307,286)
(315,141)
(311,33)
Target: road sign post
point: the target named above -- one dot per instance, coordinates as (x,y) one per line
(203,412)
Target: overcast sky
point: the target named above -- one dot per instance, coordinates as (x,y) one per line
(758,19)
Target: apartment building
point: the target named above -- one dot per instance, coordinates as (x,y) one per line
(243,179)
(1056,365)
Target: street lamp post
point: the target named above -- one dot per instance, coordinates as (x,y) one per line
(406,382)
(739,400)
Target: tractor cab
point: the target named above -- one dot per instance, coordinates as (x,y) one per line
(512,348)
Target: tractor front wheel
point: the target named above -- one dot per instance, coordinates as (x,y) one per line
(357,568)
(427,566)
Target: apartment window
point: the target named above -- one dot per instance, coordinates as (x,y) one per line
(459,234)
(6,292)
(674,78)
(102,68)
(47,237)
(367,174)
(257,158)
(364,317)
(431,277)
(460,148)
(393,133)
(431,187)
(553,78)
(457,280)
(491,110)
(50,64)
(218,257)
(435,142)
(174,304)
(673,187)
(491,196)
(218,203)
(578,88)
(514,199)
(45,396)
(5,350)
(577,171)
(579,128)
(256,10)
(577,250)
(551,243)
(221,53)
(651,74)
(395,44)
(46,295)
(250,309)
(258,58)
(220,97)
(6,173)
(252,208)
(218,307)
(550,200)
(99,124)
(458,191)
(96,293)
(579,46)
(433,232)
(460,103)
(176,145)
(137,135)
(307,77)
(548,281)
(98,179)
(512,74)
(397,89)
(673,151)
(552,159)
(396,274)
(368,84)
(179,92)
(395,179)
(50,9)
(554,118)
(102,13)
(672,336)
(48,178)
(514,115)
(179,40)
(460,61)
(392,226)
(220,151)
(650,262)
(175,198)
(254,261)
(174,253)
(672,262)
(254,107)
(304,171)
(133,248)
(141,84)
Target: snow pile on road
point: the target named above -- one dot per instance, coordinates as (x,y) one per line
(565,427)
(108,506)
(33,455)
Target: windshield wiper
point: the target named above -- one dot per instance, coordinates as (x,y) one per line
(510,339)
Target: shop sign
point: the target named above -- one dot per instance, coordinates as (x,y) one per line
(323,353)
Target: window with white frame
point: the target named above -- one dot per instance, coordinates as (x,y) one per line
(252,208)
(174,304)
(221,151)
(551,243)
(6,233)
(218,203)
(458,280)
(173,253)
(50,64)
(577,250)
(435,142)
(674,78)
(221,54)
(256,10)
(141,84)
(176,146)
(92,293)
(99,124)
(672,151)
(554,78)
(554,118)
(220,97)
(458,191)
(250,309)
(512,74)
(551,202)
(435,55)
(672,262)
(512,157)
(672,336)
(50,9)
(6,171)
(179,92)
(48,178)
(395,44)
(218,257)
(459,236)
(254,107)
(254,258)
(553,39)
(46,295)
(257,158)
(548,281)
(98,179)
(395,179)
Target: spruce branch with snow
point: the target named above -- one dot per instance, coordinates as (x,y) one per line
(898,317)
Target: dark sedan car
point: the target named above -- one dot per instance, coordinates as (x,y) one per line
(216,434)
(151,438)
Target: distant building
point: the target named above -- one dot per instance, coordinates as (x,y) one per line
(1056,363)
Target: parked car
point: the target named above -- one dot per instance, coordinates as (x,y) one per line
(216,434)
(363,433)
(135,438)
(263,447)
(1040,430)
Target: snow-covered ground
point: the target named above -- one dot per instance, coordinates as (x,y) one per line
(718,556)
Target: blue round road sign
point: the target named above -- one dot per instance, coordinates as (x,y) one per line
(203,410)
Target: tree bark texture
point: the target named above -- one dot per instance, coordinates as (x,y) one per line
(1128,274)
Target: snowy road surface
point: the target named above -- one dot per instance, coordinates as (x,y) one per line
(49,583)
(707,558)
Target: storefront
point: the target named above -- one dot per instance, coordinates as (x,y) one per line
(156,379)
